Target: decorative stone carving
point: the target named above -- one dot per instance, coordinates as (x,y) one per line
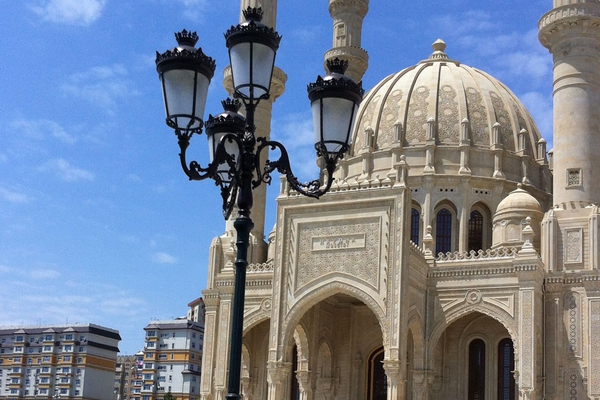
(448,119)
(573,245)
(477,117)
(349,245)
(417,118)
(503,119)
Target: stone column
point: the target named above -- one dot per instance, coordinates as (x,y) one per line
(222,337)
(304,382)
(396,383)
(277,373)
(211,303)
(419,385)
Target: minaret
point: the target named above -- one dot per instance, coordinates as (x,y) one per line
(348,18)
(262,120)
(571,31)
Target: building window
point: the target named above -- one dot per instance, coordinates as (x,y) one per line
(443,231)
(506,364)
(69,336)
(477,370)
(415,218)
(475,231)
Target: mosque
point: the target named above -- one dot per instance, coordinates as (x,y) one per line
(454,258)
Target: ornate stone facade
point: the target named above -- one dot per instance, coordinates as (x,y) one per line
(463,278)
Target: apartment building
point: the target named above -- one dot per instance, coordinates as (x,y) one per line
(128,376)
(196,311)
(172,359)
(67,362)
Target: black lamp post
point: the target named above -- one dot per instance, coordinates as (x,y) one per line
(185,73)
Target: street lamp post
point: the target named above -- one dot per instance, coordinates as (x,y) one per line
(235,165)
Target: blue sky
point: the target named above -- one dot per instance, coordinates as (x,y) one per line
(97,221)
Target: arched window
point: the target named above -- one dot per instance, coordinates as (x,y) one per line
(376,378)
(415,219)
(443,231)
(477,370)
(475,231)
(506,364)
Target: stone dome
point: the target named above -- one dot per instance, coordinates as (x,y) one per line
(444,103)
(519,201)
(514,213)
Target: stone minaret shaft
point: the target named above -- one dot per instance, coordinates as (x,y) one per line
(262,120)
(348,18)
(571,31)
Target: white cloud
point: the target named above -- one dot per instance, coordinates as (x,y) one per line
(295,132)
(4,269)
(133,178)
(43,274)
(516,54)
(65,171)
(41,128)
(70,12)
(102,86)
(121,304)
(540,107)
(163,258)
(12,196)
(194,9)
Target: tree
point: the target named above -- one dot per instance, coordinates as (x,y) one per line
(169,396)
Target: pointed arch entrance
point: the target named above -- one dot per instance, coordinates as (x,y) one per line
(338,335)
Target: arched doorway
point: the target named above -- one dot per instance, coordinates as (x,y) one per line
(254,361)
(480,346)
(376,378)
(340,334)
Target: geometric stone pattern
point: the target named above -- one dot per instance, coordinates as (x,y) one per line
(415,125)
(573,321)
(503,118)
(573,245)
(448,115)
(351,246)
(594,347)
(478,118)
